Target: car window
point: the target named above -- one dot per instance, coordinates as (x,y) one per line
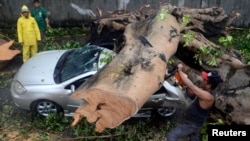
(78,83)
(79,61)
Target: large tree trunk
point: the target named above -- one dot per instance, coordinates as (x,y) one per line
(121,88)
(151,37)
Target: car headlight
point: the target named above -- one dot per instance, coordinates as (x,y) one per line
(19,88)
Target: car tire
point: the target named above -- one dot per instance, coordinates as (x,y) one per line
(166,111)
(46,107)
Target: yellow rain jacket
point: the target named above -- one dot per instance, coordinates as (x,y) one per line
(27,28)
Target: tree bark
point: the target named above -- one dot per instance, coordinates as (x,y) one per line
(121,88)
(6,54)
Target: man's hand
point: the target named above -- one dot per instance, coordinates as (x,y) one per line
(180,67)
(47,22)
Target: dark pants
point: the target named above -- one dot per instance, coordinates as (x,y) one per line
(186,129)
(43,34)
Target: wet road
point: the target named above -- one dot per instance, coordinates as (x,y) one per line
(6,76)
(4,95)
(5,98)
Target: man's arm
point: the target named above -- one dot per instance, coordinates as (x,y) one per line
(45,15)
(47,22)
(205,97)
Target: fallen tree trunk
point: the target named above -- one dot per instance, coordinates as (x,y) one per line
(121,88)
(6,54)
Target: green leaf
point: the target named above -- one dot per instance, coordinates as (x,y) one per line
(229,38)
(221,39)
(248,36)
(212,62)
(188,37)
(185,20)
(226,41)
(163,14)
(202,49)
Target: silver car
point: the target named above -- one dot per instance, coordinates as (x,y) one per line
(45,82)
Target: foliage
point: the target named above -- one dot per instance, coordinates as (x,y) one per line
(185,20)
(241,42)
(203,51)
(51,44)
(208,51)
(59,127)
(53,35)
(171,62)
(8,34)
(6,78)
(204,131)
(163,14)
(55,123)
(48,44)
(60,32)
(238,41)
(226,41)
(70,45)
(108,57)
(188,37)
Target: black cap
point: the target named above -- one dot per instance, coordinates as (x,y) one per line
(36,1)
(213,78)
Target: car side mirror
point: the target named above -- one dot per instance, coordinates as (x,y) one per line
(72,88)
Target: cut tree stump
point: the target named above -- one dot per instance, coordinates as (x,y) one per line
(121,88)
(6,54)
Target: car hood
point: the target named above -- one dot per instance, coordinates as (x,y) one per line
(39,69)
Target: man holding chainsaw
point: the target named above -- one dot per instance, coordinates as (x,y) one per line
(198,111)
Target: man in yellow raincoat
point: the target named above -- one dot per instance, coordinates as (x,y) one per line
(28,33)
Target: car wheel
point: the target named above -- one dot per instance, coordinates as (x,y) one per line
(166,111)
(46,107)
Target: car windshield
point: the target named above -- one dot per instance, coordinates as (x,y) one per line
(77,61)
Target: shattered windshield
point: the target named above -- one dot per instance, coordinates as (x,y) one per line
(76,62)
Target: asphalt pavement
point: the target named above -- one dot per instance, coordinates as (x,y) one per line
(4,95)
(6,75)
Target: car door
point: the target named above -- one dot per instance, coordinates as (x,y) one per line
(72,103)
(156,100)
